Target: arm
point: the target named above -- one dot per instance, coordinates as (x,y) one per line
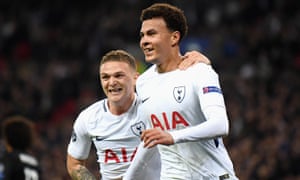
(213,108)
(77,169)
(145,165)
(217,125)
(192,57)
(78,150)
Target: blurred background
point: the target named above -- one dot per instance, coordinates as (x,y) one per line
(50,53)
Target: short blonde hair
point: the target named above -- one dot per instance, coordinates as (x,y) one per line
(119,55)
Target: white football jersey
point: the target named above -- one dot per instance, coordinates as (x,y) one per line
(116,138)
(146,165)
(190,105)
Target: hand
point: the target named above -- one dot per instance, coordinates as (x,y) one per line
(152,137)
(192,57)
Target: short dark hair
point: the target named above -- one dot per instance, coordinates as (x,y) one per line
(172,15)
(17,131)
(119,55)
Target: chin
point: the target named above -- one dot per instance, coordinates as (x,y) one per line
(151,60)
(114,98)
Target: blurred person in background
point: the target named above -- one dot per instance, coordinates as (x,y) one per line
(16,162)
(113,124)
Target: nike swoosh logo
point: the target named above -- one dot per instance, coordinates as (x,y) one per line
(144,100)
(97,138)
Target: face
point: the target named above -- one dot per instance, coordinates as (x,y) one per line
(118,82)
(156,40)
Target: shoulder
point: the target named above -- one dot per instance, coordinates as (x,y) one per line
(89,113)
(28,159)
(147,74)
(144,79)
(93,108)
(202,67)
(202,70)
(11,158)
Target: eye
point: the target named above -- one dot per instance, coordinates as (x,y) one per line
(119,75)
(104,77)
(151,32)
(141,34)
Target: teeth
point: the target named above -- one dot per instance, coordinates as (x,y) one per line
(147,49)
(115,90)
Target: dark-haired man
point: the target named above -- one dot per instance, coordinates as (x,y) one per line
(17,162)
(186,108)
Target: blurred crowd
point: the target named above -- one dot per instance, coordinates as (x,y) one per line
(50,52)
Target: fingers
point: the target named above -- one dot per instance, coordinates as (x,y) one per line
(149,137)
(186,62)
(191,58)
(152,137)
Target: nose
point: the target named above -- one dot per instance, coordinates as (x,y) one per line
(112,81)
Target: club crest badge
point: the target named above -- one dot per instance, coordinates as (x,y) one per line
(179,93)
(137,128)
(73,136)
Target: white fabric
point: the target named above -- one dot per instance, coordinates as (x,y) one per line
(145,165)
(116,138)
(190,105)
(209,129)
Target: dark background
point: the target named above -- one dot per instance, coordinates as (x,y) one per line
(50,53)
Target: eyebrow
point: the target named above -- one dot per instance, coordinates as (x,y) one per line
(148,32)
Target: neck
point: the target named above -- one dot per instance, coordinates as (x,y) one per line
(121,107)
(8,147)
(170,63)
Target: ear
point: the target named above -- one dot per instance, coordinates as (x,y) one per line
(136,75)
(175,38)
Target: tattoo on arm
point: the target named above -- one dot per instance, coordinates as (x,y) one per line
(82,173)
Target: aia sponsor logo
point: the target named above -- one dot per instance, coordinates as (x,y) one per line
(119,156)
(161,121)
